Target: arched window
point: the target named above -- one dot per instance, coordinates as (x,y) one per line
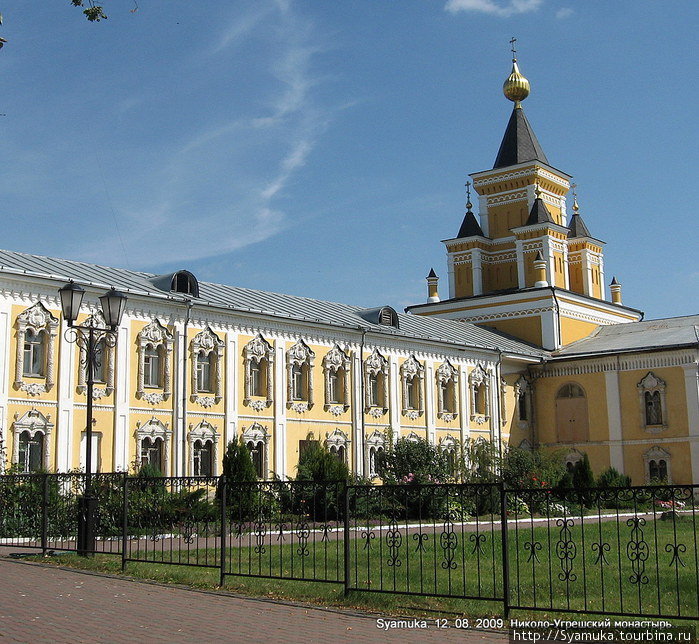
(447,404)
(657,462)
(31,451)
(152,453)
(207,353)
(36,332)
(571,414)
(256,439)
(479,386)
(336,365)
(31,441)
(412,374)
(376,384)
(203,443)
(259,356)
(300,361)
(651,392)
(375,445)
(155,344)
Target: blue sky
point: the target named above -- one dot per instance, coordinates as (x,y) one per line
(321,148)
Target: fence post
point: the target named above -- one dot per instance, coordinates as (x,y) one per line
(125,521)
(44,513)
(346,540)
(505,553)
(223,486)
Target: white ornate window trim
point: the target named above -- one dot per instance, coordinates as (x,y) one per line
(155,429)
(208,343)
(657,453)
(572,458)
(259,436)
(260,351)
(479,384)
(96,321)
(338,362)
(203,432)
(337,442)
(410,370)
(375,443)
(447,376)
(376,366)
(301,356)
(523,397)
(155,336)
(37,319)
(650,385)
(33,422)
(450,447)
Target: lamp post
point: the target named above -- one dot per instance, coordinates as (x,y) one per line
(88,338)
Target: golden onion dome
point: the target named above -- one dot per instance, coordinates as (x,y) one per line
(516,87)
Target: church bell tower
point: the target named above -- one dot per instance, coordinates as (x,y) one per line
(522,265)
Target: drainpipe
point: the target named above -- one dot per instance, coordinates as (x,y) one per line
(498,380)
(185,456)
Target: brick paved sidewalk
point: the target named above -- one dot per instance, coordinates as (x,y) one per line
(46,604)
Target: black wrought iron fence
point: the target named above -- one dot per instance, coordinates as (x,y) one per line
(618,551)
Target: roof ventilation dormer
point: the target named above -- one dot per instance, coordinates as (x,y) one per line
(383,315)
(182,282)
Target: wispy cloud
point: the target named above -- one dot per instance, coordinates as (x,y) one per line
(224,185)
(494,7)
(564,12)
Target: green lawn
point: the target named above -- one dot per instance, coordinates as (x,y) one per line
(610,566)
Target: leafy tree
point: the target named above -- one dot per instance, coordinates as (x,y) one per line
(93,12)
(481,462)
(413,461)
(240,476)
(613,478)
(317,463)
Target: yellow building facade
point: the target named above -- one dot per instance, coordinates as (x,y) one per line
(526,350)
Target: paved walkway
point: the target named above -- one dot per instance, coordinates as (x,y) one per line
(41,603)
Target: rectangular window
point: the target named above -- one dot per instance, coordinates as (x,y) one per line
(31,450)
(151,368)
(99,366)
(412,387)
(297,392)
(203,458)
(95,457)
(333,387)
(374,390)
(203,372)
(33,365)
(256,379)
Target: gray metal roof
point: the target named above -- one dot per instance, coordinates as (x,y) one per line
(636,336)
(274,304)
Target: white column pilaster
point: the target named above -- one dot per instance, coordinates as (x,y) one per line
(357,413)
(430,407)
(691,386)
(65,389)
(521,275)
(394,397)
(464,404)
(232,392)
(616,452)
(123,432)
(483,214)
(179,387)
(477,269)
(602,283)
(586,272)
(5,334)
(279,411)
(452,275)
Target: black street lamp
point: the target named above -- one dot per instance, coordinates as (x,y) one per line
(88,338)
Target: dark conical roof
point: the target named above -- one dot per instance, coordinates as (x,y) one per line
(470,227)
(519,143)
(432,273)
(539,214)
(577,227)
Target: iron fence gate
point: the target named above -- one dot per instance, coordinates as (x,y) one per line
(630,551)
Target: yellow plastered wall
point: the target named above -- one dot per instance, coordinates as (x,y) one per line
(464,280)
(572,330)
(526,328)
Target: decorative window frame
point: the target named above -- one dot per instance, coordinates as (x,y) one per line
(204,431)
(657,453)
(413,437)
(375,365)
(301,355)
(447,374)
(409,370)
(478,378)
(258,434)
(650,384)
(375,441)
(573,457)
(33,422)
(156,336)
(36,318)
(337,360)
(450,446)
(523,389)
(154,429)
(338,439)
(96,321)
(208,342)
(256,350)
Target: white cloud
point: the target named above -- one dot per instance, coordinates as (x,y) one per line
(493,7)
(564,12)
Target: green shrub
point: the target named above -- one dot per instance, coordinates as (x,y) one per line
(240,476)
